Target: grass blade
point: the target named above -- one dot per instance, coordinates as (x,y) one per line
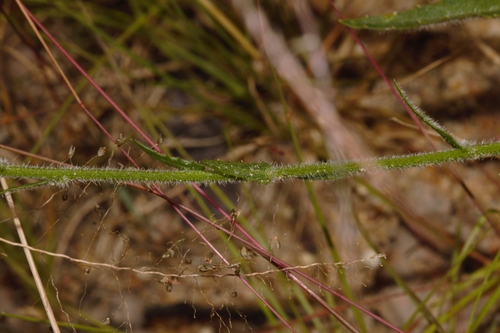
(439,12)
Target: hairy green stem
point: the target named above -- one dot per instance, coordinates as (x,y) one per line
(207,172)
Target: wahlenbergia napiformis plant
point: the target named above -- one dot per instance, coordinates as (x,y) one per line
(221,172)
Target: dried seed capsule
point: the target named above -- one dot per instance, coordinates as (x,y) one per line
(234,214)
(101,151)
(98,210)
(121,140)
(208,267)
(71,152)
(163,280)
(169,254)
(169,286)
(247,253)
(275,243)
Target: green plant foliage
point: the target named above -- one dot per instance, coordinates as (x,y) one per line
(174,162)
(215,171)
(442,11)
(231,171)
(209,172)
(428,120)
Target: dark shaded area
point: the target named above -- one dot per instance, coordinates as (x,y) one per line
(180,315)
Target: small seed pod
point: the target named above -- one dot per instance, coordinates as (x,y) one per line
(247,253)
(169,286)
(71,152)
(101,151)
(275,243)
(121,140)
(208,268)
(234,215)
(169,254)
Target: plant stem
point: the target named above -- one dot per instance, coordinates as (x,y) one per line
(223,172)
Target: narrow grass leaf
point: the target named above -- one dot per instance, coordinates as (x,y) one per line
(462,303)
(26,187)
(477,319)
(439,12)
(428,120)
(174,162)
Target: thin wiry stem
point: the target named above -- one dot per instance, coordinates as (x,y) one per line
(31,18)
(31,261)
(385,78)
(242,279)
(280,264)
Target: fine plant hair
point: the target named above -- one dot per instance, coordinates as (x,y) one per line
(219,172)
(244,256)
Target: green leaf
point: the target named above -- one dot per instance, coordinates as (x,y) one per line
(442,11)
(448,137)
(174,162)
(253,172)
(26,187)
